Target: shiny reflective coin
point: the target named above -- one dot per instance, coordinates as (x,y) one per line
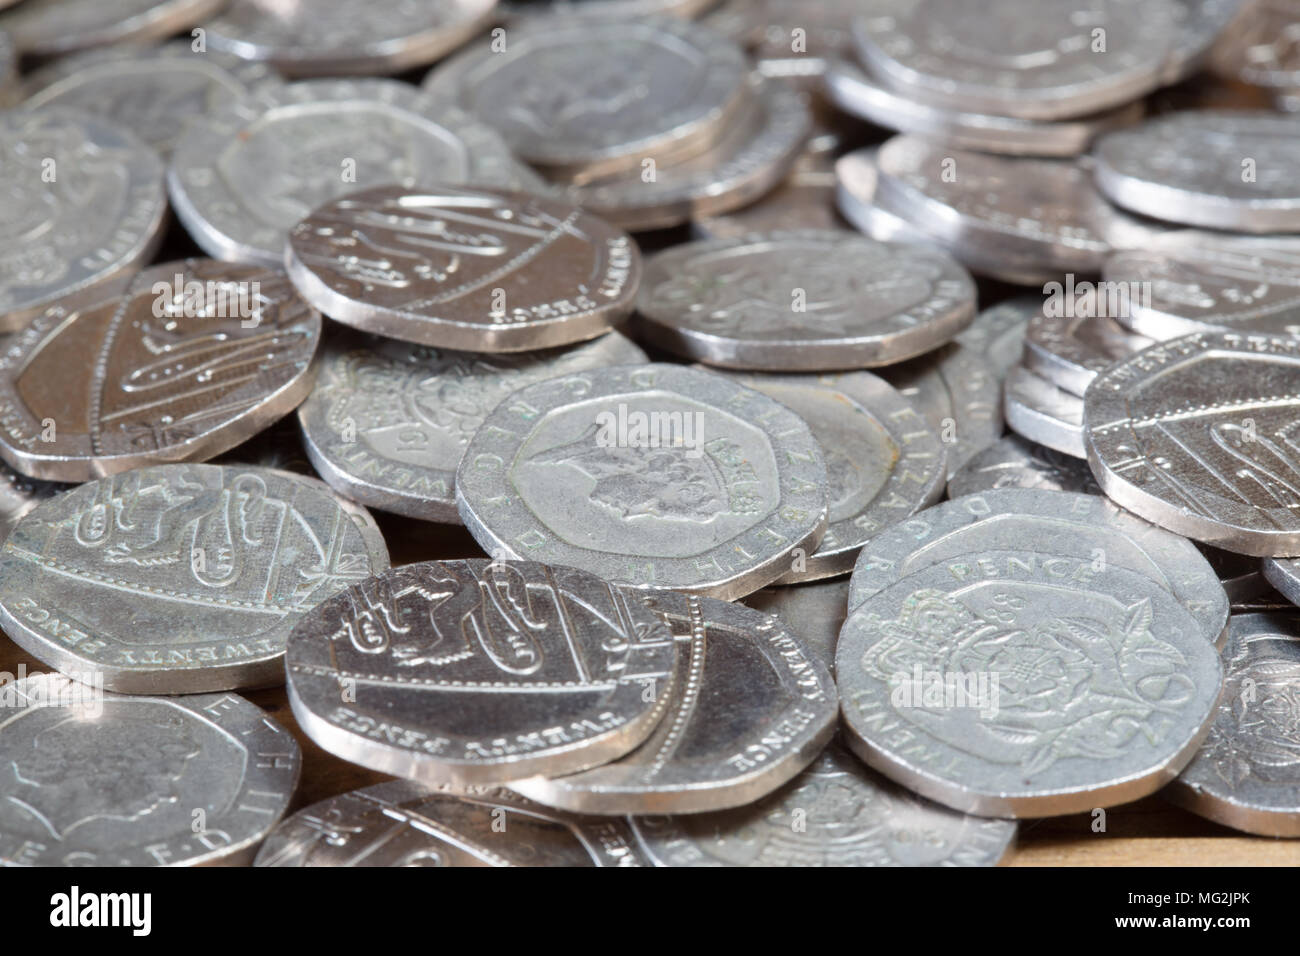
(884,461)
(179,578)
(853,91)
(615,92)
(154,92)
(595,9)
(1026,685)
(95,779)
(803,301)
(72,233)
(1070,349)
(1039,411)
(193,358)
(1283,574)
(401,823)
(998,333)
(469,269)
(1259,45)
(246,175)
(1247,773)
(1015,462)
(1216,169)
(1199,436)
(750,710)
(1031,59)
(476,672)
(1086,531)
(806,200)
(327,38)
(387,422)
(851,817)
(653,476)
(54,27)
(814,612)
(857,178)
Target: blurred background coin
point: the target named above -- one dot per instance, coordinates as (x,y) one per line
(55,27)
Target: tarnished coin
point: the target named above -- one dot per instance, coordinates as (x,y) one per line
(1199,435)
(1259,45)
(615,91)
(68,234)
(55,27)
(1247,773)
(387,422)
(245,176)
(194,357)
(327,38)
(815,612)
(998,333)
(1283,574)
(95,779)
(478,672)
(884,461)
(751,709)
(1087,531)
(178,578)
(155,92)
(853,91)
(851,815)
(469,269)
(1031,59)
(1016,462)
(401,823)
(1069,349)
(653,476)
(1216,169)
(1039,411)
(1026,685)
(803,301)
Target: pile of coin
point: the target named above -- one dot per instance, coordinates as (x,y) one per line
(749,570)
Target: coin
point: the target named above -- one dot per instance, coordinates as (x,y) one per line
(328,38)
(1015,462)
(55,27)
(1026,685)
(81,231)
(857,177)
(401,823)
(836,813)
(998,333)
(1069,349)
(752,708)
(1039,411)
(806,200)
(1201,26)
(799,40)
(1029,59)
(9,83)
(814,611)
(478,672)
(1247,774)
(469,269)
(1259,47)
(1198,436)
(803,301)
(1216,169)
(1283,574)
(1242,577)
(19,495)
(95,779)
(245,176)
(194,357)
(387,422)
(653,476)
(613,9)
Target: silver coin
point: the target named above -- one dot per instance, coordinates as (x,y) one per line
(1283,574)
(857,178)
(998,333)
(401,823)
(1201,25)
(81,231)
(179,578)
(1198,436)
(1026,685)
(815,612)
(1259,46)
(54,27)
(1085,530)
(1039,411)
(751,709)
(387,422)
(1070,349)
(1030,59)
(884,461)
(598,9)
(469,269)
(806,200)
(191,359)
(245,176)
(653,476)
(1247,773)
(19,495)
(852,90)
(803,301)
(616,91)
(1216,169)
(105,780)
(850,816)
(1015,462)
(327,38)
(155,92)
(478,672)
(799,40)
